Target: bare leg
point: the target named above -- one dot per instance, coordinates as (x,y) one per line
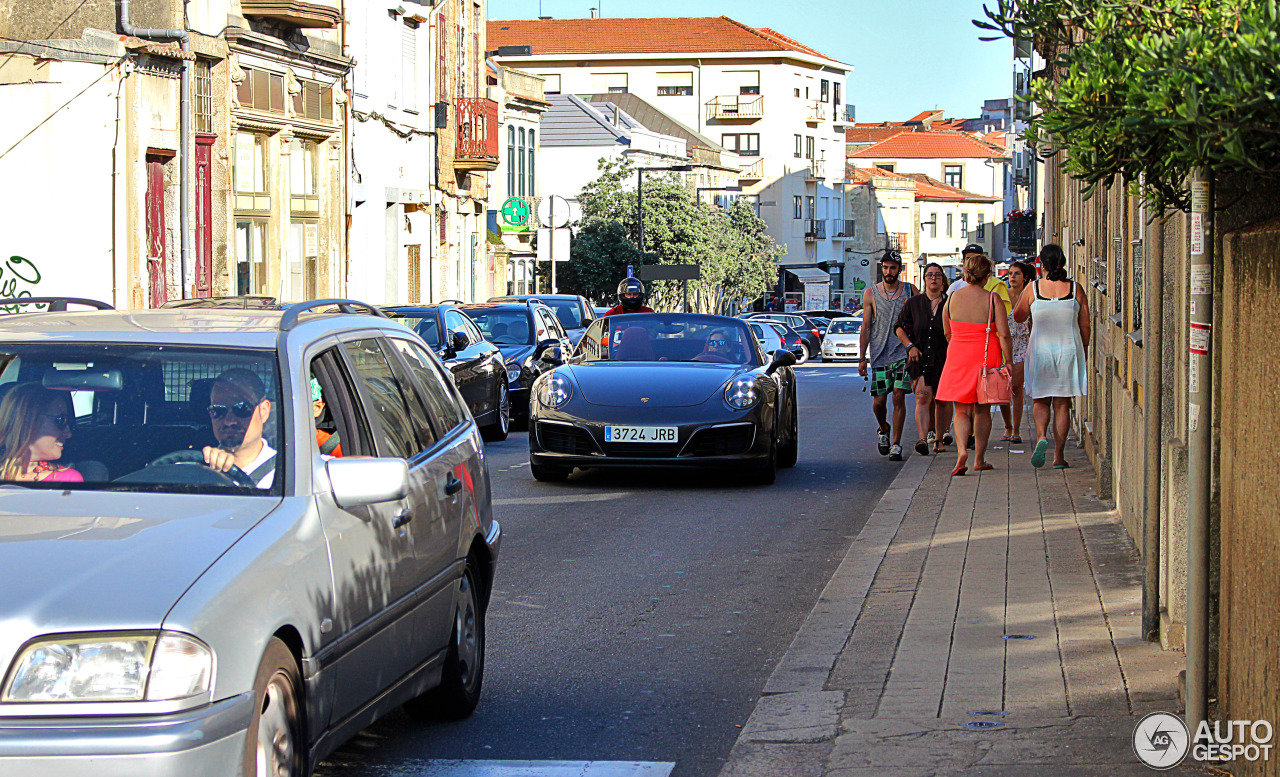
(964,423)
(1008,422)
(1061,426)
(1016,396)
(981,434)
(879,406)
(1040,409)
(942,415)
(924,408)
(899,414)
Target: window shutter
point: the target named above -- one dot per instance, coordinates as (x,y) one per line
(409,65)
(442,77)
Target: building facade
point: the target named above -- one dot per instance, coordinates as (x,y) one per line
(513,188)
(776,103)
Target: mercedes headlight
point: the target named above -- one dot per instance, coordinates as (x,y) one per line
(513,372)
(149,667)
(741,393)
(555,391)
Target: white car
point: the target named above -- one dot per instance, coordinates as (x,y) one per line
(842,339)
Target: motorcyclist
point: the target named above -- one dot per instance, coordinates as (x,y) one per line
(630,298)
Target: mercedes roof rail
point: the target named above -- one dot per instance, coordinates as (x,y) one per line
(56,304)
(348,306)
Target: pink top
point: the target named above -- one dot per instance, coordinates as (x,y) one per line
(67,475)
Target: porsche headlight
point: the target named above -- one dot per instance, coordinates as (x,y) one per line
(555,391)
(155,667)
(741,393)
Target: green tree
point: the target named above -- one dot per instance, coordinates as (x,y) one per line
(1147,90)
(736,255)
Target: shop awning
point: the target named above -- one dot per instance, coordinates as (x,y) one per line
(809,274)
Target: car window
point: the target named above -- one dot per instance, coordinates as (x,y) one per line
(568,312)
(342,428)
(392,402)
(104,413)
(680,337)
(594,345)
(472,330)
(545,330)
(503,326)
(445,406)
(454,322)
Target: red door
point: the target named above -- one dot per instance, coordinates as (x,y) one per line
(156,249)
(204,217)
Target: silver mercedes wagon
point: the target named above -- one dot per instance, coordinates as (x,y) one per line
(230,538)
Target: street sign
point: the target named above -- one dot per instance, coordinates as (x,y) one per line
(557,247)
(553,212)
(670,272)
(515,211)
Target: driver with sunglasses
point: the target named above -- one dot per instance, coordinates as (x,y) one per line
(238,409)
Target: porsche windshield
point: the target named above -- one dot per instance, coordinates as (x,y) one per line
(671,337)
(139,418)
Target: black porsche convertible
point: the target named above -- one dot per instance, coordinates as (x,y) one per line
(665,389)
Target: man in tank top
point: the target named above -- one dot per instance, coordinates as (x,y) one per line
(881,305)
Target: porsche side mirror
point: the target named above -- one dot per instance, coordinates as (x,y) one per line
(781,358)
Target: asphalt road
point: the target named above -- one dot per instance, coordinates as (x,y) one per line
(637,615)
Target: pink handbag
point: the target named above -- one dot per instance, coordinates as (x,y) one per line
(995,384)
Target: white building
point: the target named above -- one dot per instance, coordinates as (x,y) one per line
(956,159)
(521,105)
(774,101)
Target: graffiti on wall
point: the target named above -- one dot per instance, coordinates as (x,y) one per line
(18,275)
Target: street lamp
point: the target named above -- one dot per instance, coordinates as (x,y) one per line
(640,171)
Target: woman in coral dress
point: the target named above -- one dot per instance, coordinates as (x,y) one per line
(975,323)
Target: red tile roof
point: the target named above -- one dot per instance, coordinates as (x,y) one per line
(639,36)
(929,145)
(865,174)
(932,189)
(862,134)
(921,116)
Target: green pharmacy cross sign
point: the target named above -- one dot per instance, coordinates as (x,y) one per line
(515,212)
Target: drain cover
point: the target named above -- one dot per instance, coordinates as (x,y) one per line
(980,724)
(1019,636)
(1001,713)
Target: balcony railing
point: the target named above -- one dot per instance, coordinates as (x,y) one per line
(735,106)
(477,147)
(817,170)
(523,85)
(842,228)
(752,172)
(817,112)
(815,229)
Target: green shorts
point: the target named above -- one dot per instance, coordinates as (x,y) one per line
(891,376)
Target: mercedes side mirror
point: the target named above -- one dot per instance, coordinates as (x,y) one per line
(781,358)
(551,353)
(458,341)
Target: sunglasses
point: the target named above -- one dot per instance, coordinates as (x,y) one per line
(61,420)
(717,342)
(239,409)
(934,275)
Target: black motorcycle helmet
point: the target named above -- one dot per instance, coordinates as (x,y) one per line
(630,286)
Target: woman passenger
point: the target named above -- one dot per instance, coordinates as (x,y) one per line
(35,422)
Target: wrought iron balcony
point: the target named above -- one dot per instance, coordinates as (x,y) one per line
(817,170)
(842,229)
(815,229)
(477,147)
(735,106)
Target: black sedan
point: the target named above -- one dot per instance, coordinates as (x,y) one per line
(665,389)
(573,311)
(476,364)
(522,331)
(807,329)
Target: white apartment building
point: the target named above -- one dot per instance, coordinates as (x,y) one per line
(776,103)
(521,106)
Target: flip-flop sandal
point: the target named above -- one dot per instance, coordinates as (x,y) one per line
(1037,456)
(1016,440)
(1061,466)
(922,447)
(939,449)
(959,471)
(1007,438)
(983,467)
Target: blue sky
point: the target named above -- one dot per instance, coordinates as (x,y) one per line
(908,55)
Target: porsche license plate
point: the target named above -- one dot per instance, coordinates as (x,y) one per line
(640,434)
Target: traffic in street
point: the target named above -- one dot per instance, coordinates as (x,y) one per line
(636,614)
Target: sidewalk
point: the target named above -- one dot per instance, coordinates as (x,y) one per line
(907,643)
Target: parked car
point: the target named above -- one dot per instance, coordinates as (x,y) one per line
(807,329)
(665,389)
(843,340)
(770,336)
(828,314)
(574,312)
(791,339)
(522,331)
(477,366)
(164,616)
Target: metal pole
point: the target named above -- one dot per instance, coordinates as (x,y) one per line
(640,207)
(551,250)
(1153,344)
(1199,444)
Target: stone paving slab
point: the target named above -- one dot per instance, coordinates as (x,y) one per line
(907,640)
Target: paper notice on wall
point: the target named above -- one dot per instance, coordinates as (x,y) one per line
(1195,376)
(1200,338)
(1193,417)
(1201,279)
(1197,233)
(311,240)
(1199,196)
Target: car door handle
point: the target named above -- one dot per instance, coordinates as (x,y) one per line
(403,517)
(452,486)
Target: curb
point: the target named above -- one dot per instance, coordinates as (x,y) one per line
(794,708)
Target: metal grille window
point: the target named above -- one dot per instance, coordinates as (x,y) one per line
(953,175)
(1136,279)
(204,96)
(1118,262)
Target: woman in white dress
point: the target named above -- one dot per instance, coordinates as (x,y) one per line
(1055,363)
